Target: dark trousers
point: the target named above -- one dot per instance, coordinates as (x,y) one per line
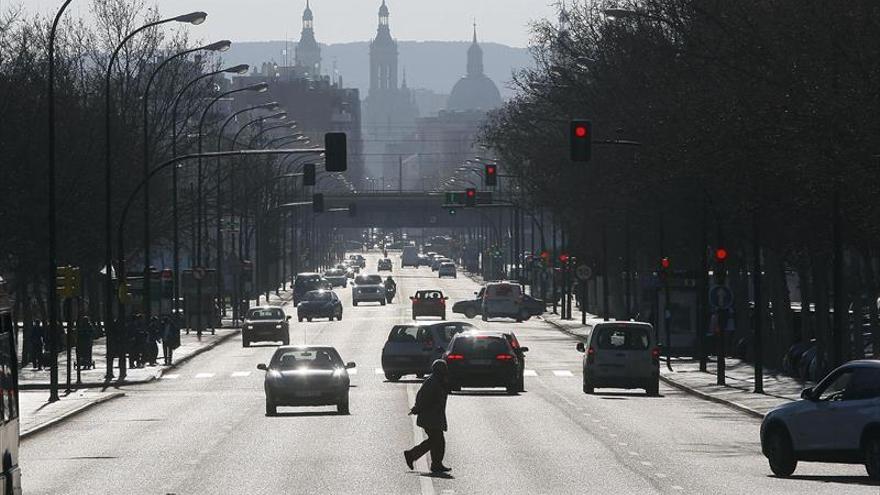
(167,351)
(435,443)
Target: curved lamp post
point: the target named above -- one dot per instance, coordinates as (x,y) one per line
(194,18)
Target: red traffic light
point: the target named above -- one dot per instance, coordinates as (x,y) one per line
(545,255)
(167,274)
(491,169)
(581,131)
(720,255)
(471,193)
(563,257)
(665,263)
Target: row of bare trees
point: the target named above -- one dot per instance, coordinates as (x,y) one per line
(757,121)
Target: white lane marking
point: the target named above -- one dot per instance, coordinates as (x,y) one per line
(632,453)
(612,435)
(562,373)
(530,373)
(425,482)
(205,375)
(645,463)
(660,475)
(170,377)
(676,487)
(379,371)
(623,444)
(353,371)
(240,374)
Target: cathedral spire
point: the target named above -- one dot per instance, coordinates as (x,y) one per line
(475,57)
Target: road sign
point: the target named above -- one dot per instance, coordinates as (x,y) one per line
(584,272)
(720,297)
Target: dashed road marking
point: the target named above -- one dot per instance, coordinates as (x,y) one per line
(660,475)
(633,453)
(562,373)
(425,483)
(353,371)
(530,373)
(623,444)
(676,487)
(240,374)
(170,377)
(379,371)
(645,463)
(205,375)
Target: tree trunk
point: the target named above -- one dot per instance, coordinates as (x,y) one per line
(820,283)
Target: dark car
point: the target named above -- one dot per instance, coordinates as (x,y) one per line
(483,359)
(336,277)
(429,303)
(520,352)
(358,260)
(410,349)
(265,324)
(307,282)
(306,376)
(384,265)
(474,307)
(319,304)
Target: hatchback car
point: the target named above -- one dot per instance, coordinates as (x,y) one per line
(437,261)
(319,304)
(358,260)
(836,421)
(306,376)
(336,277)
(483,359)
(621,355)
(368,288)
(447,269)
(429,303)
(384,265)
(265,324)
(503,299)
(410,349)
(307,282)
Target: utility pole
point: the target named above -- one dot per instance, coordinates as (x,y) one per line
(756,282)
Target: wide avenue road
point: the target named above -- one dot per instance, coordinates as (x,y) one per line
(202,429)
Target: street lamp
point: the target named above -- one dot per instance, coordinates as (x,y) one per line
(253,141)
(218,46)
(194,18)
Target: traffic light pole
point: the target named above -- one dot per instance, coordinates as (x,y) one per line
(756,282)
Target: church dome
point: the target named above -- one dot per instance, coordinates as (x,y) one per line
(474,92)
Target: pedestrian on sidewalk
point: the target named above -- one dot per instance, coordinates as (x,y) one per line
(137,336)
(170,337)
(430,407)
(38,335)
(85,335)
(154,335)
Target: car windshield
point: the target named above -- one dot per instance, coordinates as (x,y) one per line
(307,280)
(403,334)
(368,280)
(266,314)
(480,346)
(319,295)
(321,359)
(334,273)
(448,330)
(622,338)
(503,290)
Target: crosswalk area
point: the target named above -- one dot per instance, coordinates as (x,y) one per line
(377,372)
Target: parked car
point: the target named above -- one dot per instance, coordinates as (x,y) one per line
(384,265)
(307,282)
(429,303)
(447,269)
(368,288)
(306,376)
(621,355)
(483,359)
(409,257)
(504,299)
(319,304)
(265,324)
(336,277)
(836,421)
(410,349)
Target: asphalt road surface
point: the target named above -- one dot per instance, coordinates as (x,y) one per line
(202,429)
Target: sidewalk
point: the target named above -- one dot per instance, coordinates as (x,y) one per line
(686,375)
(35,414)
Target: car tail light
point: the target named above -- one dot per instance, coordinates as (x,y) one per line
(455,357)
(655,354)
(504,357)
(591,355)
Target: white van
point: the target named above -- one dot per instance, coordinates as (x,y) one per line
(621,354)
(409,257)
(504,300)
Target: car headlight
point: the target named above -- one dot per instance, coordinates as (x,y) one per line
(273,374)
(338,372)
(278,326)
(250,327)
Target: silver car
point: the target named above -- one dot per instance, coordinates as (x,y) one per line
(410,349)
(621,354)
(368,288)
(447,269)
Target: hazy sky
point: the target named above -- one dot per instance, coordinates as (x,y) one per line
(502,21)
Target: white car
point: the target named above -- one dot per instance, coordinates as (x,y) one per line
(368,288)
(447,269)
(836,421)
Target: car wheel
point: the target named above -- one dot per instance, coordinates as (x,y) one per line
(872,457)
(420,376)
(471,313)
(485,317)
(392,377)
(653,387)
(342,407)
(588,386)
(245,343)
(354,303)
(521,383)
(285,341)
(454,387)
(309,320)
(382,302)
(300,319)
(513,389)
(522,316)
(271,408)
(780,453)
(443,316)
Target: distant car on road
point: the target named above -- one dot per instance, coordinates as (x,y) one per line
(447,269)
(337,277)
(306,376)
(437,261)
(307,282)
(358,260)
(483,359)
(429,303)
(265,324)
(472,308)
(319,304)
(424,260)
(837,421)
(410,349)
(384,265)
(621,354)
(368,288)
(409,257)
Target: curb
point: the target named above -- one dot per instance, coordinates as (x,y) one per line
(675,384)
(88,405)
(140,381)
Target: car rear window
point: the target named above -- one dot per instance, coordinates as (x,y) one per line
(621,338)
(334,273)
(368,280)
(307,280)
(503,290)
(266,314)
(429,294)
(447,331)
(403,334)
(480,346)
(306,358)
(317,295)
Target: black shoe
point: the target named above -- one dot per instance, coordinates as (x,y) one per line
(440,469)
(409,460)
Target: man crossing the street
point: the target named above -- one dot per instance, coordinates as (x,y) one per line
(430,407)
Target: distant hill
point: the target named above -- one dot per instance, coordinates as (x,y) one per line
(433,65)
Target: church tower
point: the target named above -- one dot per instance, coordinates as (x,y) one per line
(383,56)
(308,53)
(475,57)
